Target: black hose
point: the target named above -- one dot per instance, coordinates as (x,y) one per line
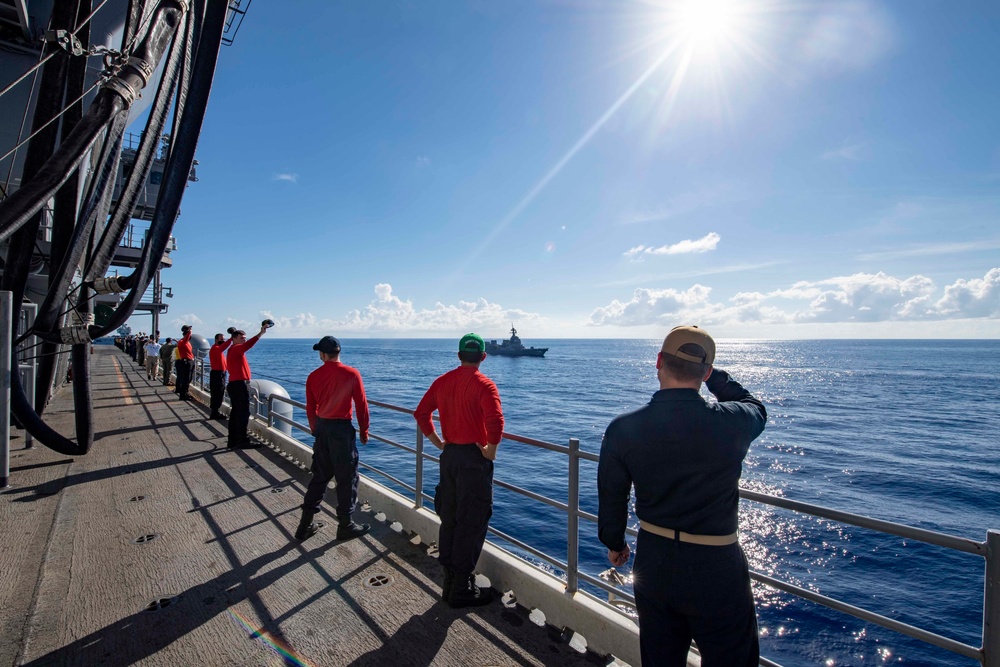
(23,235)
(19,214)
(179,162)
(31,197)
(95,207)
(106,247)
(83,402)
(65,204)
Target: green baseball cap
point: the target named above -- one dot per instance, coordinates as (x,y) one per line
(471,343)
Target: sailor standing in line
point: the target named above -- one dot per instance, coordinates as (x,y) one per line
(239,389)
(184,366)
(468,404)
(167,359)
(152,358)
(684,456)
(330,390)
(217,376)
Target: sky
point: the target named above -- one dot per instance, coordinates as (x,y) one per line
(598,169)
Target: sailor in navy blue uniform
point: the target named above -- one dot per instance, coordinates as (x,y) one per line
(684,457)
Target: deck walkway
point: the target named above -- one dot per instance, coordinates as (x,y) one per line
(162,547)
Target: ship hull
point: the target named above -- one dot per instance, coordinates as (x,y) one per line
(530,352)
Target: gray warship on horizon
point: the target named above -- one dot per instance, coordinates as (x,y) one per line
(514,347)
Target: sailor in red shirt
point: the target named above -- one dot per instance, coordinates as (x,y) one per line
(330,390)
(217,376)
(239,389)
(184,365)
(468,404)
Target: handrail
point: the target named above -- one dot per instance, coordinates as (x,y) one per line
(988,655)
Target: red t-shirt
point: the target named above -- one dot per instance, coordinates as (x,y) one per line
(239,369)
(329,392)
(215,356)
(469,406)
(184,350)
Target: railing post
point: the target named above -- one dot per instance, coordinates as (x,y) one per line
(6,336)
(270,410)
(419,481)
(991,601)
(573,517)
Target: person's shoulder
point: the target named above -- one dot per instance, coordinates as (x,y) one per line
(626,418)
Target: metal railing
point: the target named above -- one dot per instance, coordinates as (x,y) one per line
(987,655)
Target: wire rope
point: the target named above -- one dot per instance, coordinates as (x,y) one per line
(43,127)
(53,54)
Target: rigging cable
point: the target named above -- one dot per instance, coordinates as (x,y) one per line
(52,54)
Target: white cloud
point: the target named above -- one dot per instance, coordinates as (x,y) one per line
(972,298)
(706,243)
(859,298)
(650,306)
(289,177)
(180,321)
(388,314)
(423,161)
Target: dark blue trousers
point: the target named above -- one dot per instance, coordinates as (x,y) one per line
(183,368)
(239,411)
(464,502)
(217,387)
(690,591)
(335,456)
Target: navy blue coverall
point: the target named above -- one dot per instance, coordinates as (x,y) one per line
(684,456)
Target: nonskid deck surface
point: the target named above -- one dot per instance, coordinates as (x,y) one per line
(162,547)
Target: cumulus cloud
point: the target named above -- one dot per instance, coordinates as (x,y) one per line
(858,298)
(388,314)
(289,177)
(690,246)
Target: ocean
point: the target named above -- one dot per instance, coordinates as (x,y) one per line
(904,431)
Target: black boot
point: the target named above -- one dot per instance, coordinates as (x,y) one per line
(307,527)
(449,581)
(348,530)
(465,593)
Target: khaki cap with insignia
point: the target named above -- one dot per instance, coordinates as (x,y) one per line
(689,335)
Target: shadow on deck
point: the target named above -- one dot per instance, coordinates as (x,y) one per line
(162,547)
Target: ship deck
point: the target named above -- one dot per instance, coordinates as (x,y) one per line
(163,547)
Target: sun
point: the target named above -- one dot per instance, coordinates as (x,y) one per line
(706,22)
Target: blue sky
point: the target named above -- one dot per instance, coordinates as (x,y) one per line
(590,168)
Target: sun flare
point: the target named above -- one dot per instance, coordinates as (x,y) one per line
(706,22)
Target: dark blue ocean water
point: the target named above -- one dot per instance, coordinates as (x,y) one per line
(905,431)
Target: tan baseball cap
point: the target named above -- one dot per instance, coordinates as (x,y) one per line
(689,335)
